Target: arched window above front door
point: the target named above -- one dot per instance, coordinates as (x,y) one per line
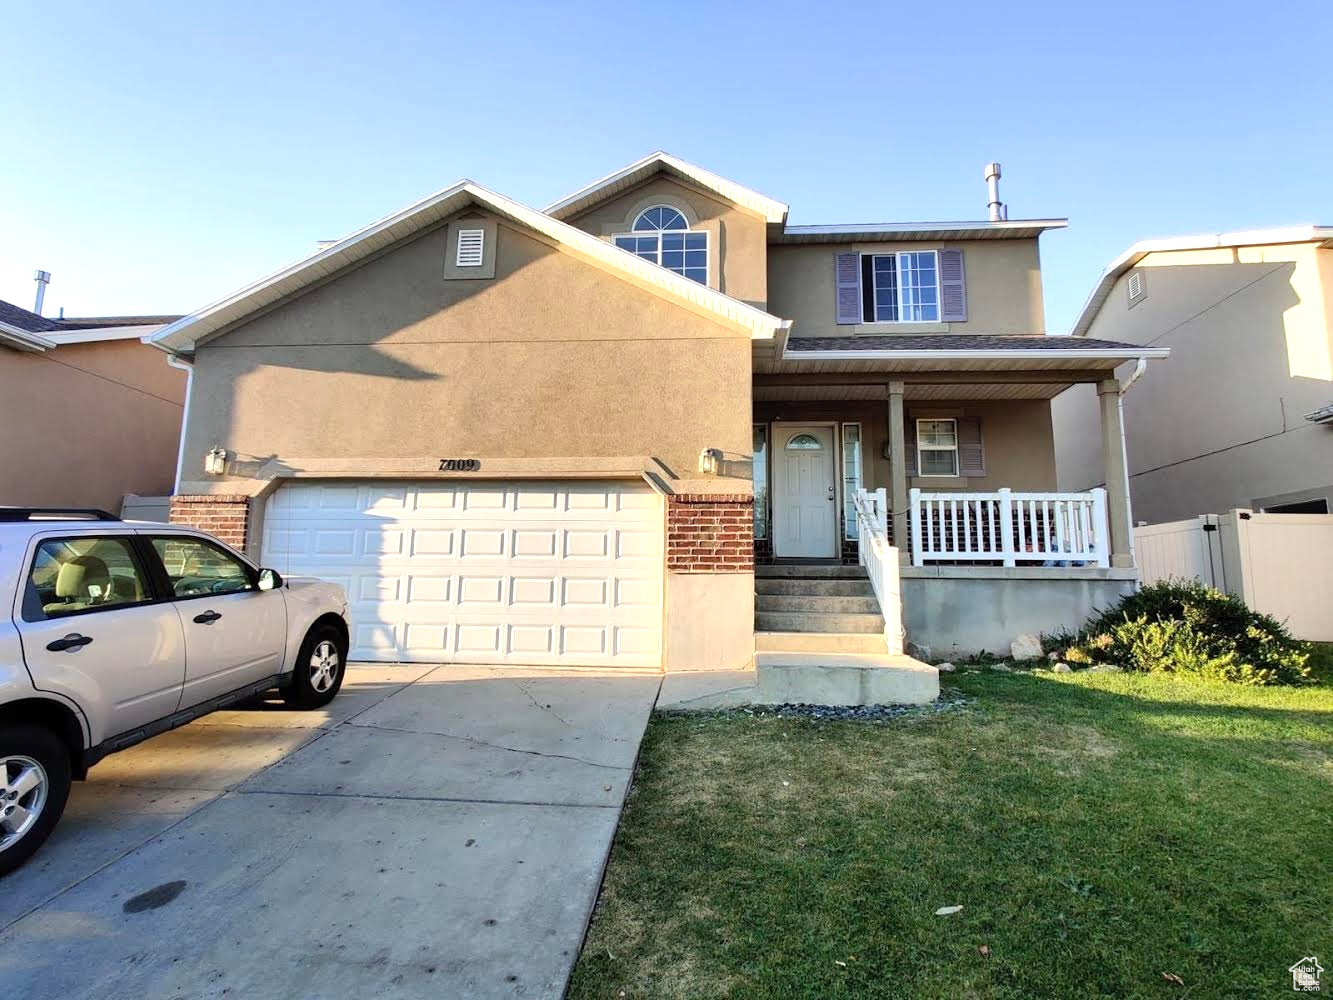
(804,442)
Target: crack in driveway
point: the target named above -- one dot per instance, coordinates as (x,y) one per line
(494,746)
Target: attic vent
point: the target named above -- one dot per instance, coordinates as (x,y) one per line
(471,246)
(1135,286)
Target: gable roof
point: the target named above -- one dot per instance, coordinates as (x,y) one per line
(1210,241)
(182,336)
(772,210)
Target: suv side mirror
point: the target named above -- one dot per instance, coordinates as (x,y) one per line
(269,579)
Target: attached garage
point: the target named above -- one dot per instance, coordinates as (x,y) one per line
(556,572)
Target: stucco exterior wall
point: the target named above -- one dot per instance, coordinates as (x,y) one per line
(1003,288)
(1219,424)
(84,424)
(552,359)
(737,239)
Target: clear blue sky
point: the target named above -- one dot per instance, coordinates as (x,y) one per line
(158,156)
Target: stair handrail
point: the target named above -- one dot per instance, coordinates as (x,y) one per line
(880,560)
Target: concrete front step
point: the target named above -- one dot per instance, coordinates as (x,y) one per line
(822,603)
(844,679)
(813,621)
(815,587)
(820,642)
(829,571)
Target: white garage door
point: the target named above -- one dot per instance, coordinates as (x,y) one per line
(533,572)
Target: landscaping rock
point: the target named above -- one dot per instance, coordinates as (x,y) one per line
(1106,668)
(948,701)
(1062,668)
(919,651)
(1026,647)
(945,668)
(1003,668)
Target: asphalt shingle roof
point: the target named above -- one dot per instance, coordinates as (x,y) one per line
(24,320)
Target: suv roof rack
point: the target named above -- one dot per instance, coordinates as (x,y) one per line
(55,514)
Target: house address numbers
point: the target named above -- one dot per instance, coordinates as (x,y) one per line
(460,464)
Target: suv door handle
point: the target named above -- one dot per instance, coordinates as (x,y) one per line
(207,618)
(71,641)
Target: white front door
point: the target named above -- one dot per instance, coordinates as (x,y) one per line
(805,503)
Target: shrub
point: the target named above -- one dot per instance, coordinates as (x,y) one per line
(1183,626)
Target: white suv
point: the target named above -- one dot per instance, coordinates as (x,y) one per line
(114,631)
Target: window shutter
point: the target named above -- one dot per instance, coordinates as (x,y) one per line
(847,269)
(471,246)
(953,287)
(909,442)
(971,455)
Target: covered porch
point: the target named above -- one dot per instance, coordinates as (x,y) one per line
(945,443)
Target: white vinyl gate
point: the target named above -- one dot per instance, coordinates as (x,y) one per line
(1281,564)
(566,573)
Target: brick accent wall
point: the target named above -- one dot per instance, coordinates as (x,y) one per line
(225,516)
(710,533)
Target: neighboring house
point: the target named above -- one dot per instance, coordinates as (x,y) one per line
(88,412)
(1241,416)
(568,436)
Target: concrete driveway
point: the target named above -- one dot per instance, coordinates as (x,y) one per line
(432,833)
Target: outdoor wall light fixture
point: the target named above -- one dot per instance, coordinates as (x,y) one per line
(710,459)
(215,462)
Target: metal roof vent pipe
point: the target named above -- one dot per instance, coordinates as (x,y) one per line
(43,278)
(998,211)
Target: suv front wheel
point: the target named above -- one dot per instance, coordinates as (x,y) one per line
(34,787)
(320,666)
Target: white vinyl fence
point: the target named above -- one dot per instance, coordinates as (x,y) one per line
(1280,564)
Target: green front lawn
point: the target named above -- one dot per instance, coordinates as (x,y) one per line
(1098,830)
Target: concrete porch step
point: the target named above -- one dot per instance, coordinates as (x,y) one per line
(814,621)
(844,679)
(814,586)
(827,571)
(823,603)
(819,642)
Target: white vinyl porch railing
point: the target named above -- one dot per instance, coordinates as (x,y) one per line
(880,560)
(1028,529)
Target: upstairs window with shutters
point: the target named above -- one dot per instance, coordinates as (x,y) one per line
(917,286)
(662,235)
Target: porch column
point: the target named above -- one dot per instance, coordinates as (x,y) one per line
(898,471)
(1116,472)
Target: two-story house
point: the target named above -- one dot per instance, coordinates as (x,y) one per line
(656,426)
(1242,418)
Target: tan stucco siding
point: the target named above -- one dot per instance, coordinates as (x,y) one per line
(1250,355)
(1003,288)
(84,424)
(1016,438)
(737,238)
(554,358)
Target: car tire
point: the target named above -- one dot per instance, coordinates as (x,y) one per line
(320,667)
(34,787)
